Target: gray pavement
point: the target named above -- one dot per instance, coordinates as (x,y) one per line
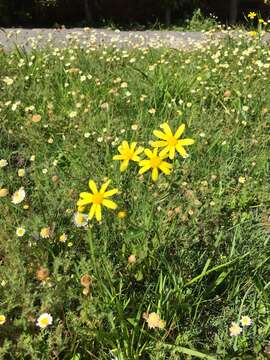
(86,37)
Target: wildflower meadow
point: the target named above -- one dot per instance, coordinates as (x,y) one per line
(134,201)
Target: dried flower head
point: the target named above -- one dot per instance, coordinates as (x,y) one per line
(36,118)
(42,274)
(86,280)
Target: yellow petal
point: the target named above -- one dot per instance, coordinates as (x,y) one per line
(109,204)
(139,150)
(132,146)
(159,143)
(136,158)
(93,186)
(118,157)
(92,212)
(104,186)
(86,195)
(110,193)
(155,174)
(165,152)
(181,151)
(186,142)
(120,149)
(125,145)
(167,129)
(179,131)
(98,212)
(82,202)
(164,168)
(144,163)
(148,153)
(124,165)
(144,169)
(160,134)
(172,153)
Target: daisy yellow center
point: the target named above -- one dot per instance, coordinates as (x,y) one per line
(172,141)
(97,198)
(80,218)
(155,161)
(44,321)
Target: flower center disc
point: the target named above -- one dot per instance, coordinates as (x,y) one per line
(128,155)
(44,321)
(97,198)
(155,161)
(172,141)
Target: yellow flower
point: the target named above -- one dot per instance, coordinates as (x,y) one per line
(128,153)
(97,198)
(81,208)
(21,172)
(3,192)
(235,329)
(44,320)
(63,237)
(3,163)
(8,81)
(170,141)
(261,21)
(252,15)
(45,233)
(122,214)
(241,179)
(246,321)
(153,321)
(252,33)
(155,163)
(2,319)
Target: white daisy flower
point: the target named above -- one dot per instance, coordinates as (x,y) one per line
(80,219)
(20,231)
(44,320)
(18,196)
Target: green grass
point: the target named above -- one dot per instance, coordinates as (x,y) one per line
(200,237)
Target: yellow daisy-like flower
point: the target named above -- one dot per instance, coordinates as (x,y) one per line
(2,319)
(252,15)
(97,198)
(122,214)
(155,163)
(45,233)
(127,153)
(154,321)
(170,141)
